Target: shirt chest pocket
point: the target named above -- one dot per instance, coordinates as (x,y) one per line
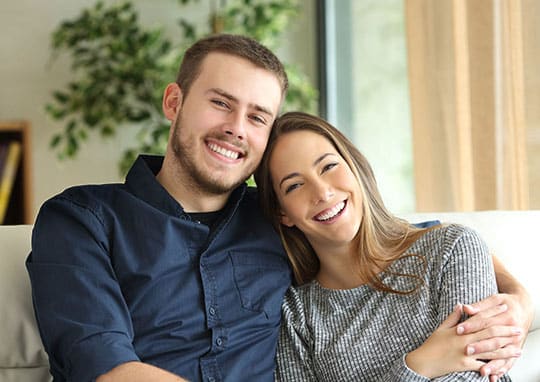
(261,281)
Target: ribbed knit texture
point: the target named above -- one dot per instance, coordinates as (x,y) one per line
(363,335)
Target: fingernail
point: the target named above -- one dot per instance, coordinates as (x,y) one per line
(460,329)
(470,350)
(516,330)
(504,307)
(470,307)
(487,371)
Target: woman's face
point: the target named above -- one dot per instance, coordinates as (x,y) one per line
(316,189)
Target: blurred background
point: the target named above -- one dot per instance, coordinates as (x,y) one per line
(441,96)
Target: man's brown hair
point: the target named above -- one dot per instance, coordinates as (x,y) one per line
(236,45)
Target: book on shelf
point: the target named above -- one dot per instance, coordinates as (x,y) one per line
(10,156)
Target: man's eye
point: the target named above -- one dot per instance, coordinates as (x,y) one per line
(220,103)
(258,119)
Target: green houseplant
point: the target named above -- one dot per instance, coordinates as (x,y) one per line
(121,68)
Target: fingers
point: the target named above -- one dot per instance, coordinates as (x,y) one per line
(490,302)
(453,318)
(497,368)
(483,319)
(504,353)
(494,338)
(487,312)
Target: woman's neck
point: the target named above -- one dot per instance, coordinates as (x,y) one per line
(343,270)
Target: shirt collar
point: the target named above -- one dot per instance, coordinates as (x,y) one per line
(141,181)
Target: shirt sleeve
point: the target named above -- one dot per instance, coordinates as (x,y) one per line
(83,319)
(294,362)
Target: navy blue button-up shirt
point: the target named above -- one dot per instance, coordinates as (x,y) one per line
(121,273)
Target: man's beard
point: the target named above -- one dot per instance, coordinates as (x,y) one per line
(199,180)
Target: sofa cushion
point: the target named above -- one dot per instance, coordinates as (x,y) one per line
(22,357)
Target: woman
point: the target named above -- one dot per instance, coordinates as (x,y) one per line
(375,297)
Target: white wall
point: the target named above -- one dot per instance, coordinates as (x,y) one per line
(27,79)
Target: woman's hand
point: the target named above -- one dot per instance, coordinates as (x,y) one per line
(445,350)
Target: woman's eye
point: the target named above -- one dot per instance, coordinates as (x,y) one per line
(291,187)
(329,166)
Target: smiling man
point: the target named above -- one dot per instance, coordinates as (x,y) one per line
(175,274)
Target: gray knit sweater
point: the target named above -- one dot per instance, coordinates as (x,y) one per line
(362,334)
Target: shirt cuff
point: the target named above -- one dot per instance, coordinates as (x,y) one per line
(99,354)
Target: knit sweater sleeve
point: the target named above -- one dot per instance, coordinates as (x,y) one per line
(466,276)
(294,361)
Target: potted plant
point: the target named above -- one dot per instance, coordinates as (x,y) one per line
(120,69)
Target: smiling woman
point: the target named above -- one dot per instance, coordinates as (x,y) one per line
(361,272)
(317,191)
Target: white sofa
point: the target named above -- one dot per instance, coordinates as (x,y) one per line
(510,235)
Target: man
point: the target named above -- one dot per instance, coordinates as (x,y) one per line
(175,274)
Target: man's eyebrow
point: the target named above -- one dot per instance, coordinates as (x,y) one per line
(234,99)
(224,94)
(315,162)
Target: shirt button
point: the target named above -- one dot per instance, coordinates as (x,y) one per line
(219,341)
(212,311)
(211,379)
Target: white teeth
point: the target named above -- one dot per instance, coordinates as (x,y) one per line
(333,212)
(220,150)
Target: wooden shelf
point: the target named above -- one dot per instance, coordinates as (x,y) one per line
(19,210)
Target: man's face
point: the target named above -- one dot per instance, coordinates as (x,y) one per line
(222,126)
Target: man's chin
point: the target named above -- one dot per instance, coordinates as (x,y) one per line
(221,186)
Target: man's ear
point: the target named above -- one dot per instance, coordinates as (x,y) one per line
(284,219)
(172,101)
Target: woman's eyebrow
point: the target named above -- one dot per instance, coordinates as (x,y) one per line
(287,177)
(320,159)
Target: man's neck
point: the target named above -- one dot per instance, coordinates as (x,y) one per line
(191,198)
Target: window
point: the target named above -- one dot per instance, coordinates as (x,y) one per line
(453,82)
(365,92)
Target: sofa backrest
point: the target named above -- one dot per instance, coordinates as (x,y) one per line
(511,235)
(22,358)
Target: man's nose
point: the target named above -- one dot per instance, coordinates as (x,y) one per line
(236,126)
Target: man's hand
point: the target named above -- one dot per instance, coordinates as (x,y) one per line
(511,310)
(445,343)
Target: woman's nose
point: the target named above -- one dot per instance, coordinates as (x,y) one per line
(323,192)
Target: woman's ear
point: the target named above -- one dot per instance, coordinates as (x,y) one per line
(172,101)
(284,219)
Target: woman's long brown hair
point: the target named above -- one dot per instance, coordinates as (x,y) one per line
(382,237)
